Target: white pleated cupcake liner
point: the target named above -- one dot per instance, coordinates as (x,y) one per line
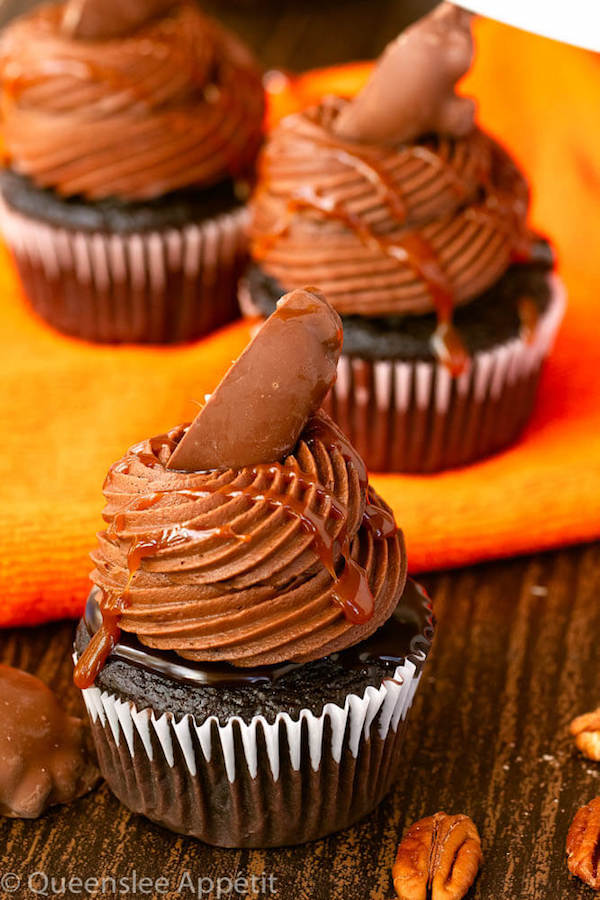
(157,286)
(414,416)
(379,710)
(429,385)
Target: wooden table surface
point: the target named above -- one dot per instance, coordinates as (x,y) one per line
(515,659)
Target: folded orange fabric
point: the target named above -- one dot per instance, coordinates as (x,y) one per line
(68,409)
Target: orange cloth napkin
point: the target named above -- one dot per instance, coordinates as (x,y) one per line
(68,409)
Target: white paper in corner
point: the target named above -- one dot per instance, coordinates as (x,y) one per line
(574,22)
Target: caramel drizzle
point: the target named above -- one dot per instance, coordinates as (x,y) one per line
(350,589)
(529,315)
(140,548)
(412,248)
(378,178)
(91,662)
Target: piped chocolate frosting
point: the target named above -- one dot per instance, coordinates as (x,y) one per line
(173,101)
(394,202)
(288,558)
(43,754)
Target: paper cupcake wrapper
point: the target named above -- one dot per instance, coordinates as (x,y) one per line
(258,783)
(415,417)
(157,286)
(405,416)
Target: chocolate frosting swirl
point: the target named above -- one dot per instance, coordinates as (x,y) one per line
(177,103)
(284,561)
(390,228)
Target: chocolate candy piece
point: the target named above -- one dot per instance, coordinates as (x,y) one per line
(259,409)
(43,758)
(91,20)
(411,91)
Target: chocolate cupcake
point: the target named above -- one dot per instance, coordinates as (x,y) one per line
(250,649)
(130,133)
(413,221)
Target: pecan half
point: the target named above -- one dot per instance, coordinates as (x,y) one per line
(586,731)
(583,844)
(438,858)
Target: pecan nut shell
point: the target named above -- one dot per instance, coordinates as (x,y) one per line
(586,731)
(583,844)
(438,858)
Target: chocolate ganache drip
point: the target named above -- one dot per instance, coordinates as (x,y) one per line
(284,558)
(131,100)
(394,202)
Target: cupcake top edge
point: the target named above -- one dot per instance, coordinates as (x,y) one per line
(251,536)
(155,106)
(145,676)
